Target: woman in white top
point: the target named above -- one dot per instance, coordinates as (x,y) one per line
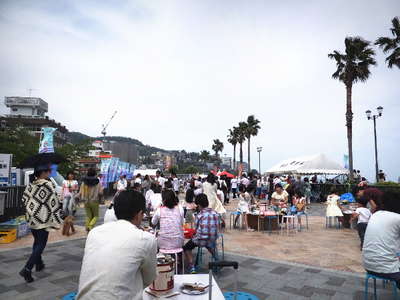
(69,190)
(279,198)
(210,189)
(155,198)
(333,209)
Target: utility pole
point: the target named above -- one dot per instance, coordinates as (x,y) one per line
(374,117)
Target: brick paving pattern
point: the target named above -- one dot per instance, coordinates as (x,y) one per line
(263,278)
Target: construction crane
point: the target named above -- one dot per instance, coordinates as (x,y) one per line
(103,132)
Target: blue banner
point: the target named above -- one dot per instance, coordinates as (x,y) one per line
(47,140)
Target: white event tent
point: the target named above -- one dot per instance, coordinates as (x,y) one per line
(315,164)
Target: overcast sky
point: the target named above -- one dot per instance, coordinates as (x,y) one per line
(180,73)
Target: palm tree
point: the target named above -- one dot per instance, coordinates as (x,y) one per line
(218,146)
(204,155)
(353,66)
(241,137)
(232,139)
(389,44)
(252,128)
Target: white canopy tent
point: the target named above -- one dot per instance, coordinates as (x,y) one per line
(315,164)
(150,172)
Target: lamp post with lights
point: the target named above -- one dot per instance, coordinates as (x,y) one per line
(374,117)
(259,149)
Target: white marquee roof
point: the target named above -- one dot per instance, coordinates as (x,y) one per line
(315,164)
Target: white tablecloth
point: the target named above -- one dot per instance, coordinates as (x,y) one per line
(201,278)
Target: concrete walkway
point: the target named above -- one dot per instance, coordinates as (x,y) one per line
(263,278)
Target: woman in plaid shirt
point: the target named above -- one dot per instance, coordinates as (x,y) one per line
(207,223)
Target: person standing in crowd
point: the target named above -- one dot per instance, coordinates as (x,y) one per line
(90,192)
(122,267)
(42,213)
(146,184)
(207,224)
(381,176)
(155,197)
(171,218)
(210,190)
(138,179)
(68,192)
(243,206)
(122,183)
(175,183)
(362,214)
(307,190)
(271,187)
(190,206)
(382,239)
(160,179)
(234,187)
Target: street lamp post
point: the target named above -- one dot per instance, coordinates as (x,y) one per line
(259,149)
(374,117)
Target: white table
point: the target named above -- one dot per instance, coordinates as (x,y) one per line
(201,278)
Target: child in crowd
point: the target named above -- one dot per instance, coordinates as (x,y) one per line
(299,202)
(363,214)
(190,206)
(243,205)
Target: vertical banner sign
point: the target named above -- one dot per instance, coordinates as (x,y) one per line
(5,169)
(47,140)
(113,169)
(346,161)
(104,171)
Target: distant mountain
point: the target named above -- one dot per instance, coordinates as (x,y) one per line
(144,150)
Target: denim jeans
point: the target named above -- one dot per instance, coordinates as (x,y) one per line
(39,243)
(68,204)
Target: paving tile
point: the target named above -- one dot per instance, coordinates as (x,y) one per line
(336,281)
(22,288)
(280,270)
(314,271)
(320,291)
(72,278)
(298,292)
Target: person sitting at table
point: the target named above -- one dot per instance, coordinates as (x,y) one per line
(171,218)
(333,209)
(243,206)
(382,239)
(299,202)
(280,200)
(207,224)
(119,259)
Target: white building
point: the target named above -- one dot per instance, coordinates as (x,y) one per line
(27,106)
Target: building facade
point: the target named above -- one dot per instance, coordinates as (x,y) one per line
(124,151)
(30,113)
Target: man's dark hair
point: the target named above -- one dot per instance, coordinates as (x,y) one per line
(169,198)
(391,201)
(91,172)
(375,195)
(201,200)
(128,204)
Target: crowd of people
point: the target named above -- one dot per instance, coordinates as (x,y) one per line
(122,267)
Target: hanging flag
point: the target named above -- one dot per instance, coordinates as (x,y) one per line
(46,143)
(346,161)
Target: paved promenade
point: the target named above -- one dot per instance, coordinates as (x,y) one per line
(266,279)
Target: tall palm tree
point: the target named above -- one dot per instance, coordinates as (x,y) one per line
(232,139)
(252,128)
(218,146)
(241,137)
(393,45)
(353,66)
(204,155)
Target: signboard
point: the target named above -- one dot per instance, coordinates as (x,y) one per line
(346,161)
(5,169)
(46,141)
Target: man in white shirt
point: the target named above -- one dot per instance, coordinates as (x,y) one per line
(234,186)
(175,183)
(382,239)
(122,183)
(120,259)
(160,179)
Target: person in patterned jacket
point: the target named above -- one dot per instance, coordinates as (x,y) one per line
(42,213)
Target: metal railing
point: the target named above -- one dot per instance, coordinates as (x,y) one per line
(13,206)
